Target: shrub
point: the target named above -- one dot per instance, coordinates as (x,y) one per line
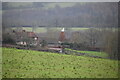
(7,39)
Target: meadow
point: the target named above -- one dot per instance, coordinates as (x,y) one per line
(43,29)
(91,53)
(18,63)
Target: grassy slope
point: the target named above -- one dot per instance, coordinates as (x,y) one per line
(29,64)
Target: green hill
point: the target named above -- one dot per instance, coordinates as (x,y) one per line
(35,64)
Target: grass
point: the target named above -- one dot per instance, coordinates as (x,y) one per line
(62,5)
(38,30)
(43,29)
(35,64)
(78,29)
(27,28)
(91,53)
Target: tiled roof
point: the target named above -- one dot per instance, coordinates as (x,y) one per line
(31,34)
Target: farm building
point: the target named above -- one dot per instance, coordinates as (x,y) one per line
(57,45)
(26,38)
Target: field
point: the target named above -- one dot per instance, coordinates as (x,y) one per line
(43,29)
(90,53)
(33,64)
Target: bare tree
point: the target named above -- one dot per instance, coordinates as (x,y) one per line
(111,43)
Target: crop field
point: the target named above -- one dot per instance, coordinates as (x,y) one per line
(18,63)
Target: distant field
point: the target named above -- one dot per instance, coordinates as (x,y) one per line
(38,30)
(35,64)
(76,29)
(91,53)
(42,29)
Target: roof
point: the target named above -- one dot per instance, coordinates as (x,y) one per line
(23,32)
(31,34)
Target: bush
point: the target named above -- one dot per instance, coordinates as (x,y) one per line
(77,46)
(43,43)
(111,45)
(7,39)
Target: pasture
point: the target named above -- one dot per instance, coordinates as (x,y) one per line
(18,63)
(91,53)
(43,29)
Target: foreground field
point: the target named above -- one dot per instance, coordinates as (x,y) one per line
(33,64)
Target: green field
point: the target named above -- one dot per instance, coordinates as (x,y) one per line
(43,29)
(35,64)
(91,53)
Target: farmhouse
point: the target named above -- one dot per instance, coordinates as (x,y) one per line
(26,38)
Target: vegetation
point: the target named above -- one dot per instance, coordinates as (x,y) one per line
(65,14)
(43,43)
(43,29)
(33,64)
(7,39)
(91,53)
(88,29)
(101,39)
